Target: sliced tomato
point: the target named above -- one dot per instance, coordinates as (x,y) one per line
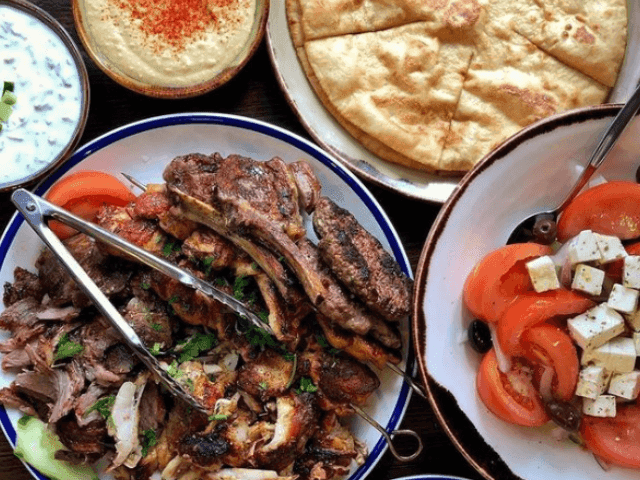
(510,396)
(530,309)
(615,440)
(83,193)
(499,277)
(611,208)
(551,347)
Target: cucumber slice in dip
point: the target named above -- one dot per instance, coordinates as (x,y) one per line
(37,446)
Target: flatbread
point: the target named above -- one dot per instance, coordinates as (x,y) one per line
(399,86)
(437,84)
(500,97)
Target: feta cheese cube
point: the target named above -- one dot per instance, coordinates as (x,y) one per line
(583,248)
(625,385)
(631,271)
(617,355)
(596,326)
(610,247)
(588,279)
(602,406)
(623,299)
(592,382)
(543,274)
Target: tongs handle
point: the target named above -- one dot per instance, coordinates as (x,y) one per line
(35,209)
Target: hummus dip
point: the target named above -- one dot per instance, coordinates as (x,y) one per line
(169,43)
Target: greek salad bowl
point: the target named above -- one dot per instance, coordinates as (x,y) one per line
(529,173)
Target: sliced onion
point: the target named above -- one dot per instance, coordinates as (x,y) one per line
(504,362)
(546,381)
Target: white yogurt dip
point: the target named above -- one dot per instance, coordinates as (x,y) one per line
(48,91)
(176,43)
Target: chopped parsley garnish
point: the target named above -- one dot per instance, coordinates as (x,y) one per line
(263,385)
(208,264)
(306,385)
(155,350)
(169,248)
(190,385)
(197,344)
(322,341)
(173,299)
(264,316)
(157,327)
(145,285)
(259,337)
(149,440)
(218,417)
(239,287)
(173,370)
(67,348)
(102,406)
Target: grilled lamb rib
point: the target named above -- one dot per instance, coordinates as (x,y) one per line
(358,259)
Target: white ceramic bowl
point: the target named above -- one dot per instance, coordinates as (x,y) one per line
(529,173)
(52,97)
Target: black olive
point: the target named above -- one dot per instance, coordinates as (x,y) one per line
(638,175)
(545,230)
(565,414)
(480,336)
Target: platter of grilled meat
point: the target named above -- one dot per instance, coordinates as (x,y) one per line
(273,221)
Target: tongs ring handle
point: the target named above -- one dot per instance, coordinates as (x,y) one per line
(394,434)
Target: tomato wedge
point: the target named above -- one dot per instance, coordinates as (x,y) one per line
(530,309)
(550,346)
(616,440)
(510,396)
(498,278)
(83,193)
(611,208)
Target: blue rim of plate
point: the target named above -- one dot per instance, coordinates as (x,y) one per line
(253,126)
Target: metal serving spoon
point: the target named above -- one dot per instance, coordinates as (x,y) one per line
(541,226)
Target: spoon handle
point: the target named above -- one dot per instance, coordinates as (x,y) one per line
(607,141)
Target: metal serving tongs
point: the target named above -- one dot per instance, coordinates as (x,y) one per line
(35,211)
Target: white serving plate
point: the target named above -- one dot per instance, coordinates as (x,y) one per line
(144,148)
(541,163)
(330,135)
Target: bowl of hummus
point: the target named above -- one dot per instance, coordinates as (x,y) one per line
(173,48)
(44,94)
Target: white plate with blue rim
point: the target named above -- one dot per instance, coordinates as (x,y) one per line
(144,148)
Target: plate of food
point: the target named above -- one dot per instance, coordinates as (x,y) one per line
(65,368)
(557,384)
(411,96)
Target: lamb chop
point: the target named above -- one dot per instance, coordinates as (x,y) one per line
(246,197)
(360,262)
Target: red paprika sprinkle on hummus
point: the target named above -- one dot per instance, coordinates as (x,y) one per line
(173,21)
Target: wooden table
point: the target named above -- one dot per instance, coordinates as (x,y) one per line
(255,93)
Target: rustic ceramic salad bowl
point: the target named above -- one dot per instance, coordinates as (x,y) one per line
(530,172)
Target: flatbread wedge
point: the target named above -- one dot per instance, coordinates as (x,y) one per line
(399,86)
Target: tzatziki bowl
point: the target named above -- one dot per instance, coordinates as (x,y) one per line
(44,97)
(171,49)
(529,173)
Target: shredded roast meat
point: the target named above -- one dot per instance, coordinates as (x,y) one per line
(277,402)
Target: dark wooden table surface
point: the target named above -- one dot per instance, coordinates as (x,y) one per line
(255,93)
